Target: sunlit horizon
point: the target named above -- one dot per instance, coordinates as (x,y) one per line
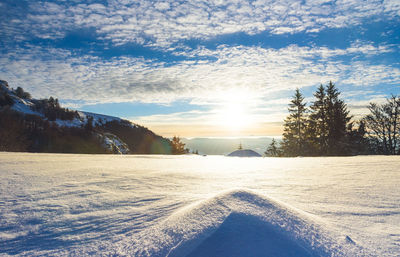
(218,68)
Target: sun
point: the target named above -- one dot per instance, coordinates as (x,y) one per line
(234,111)
(233,117)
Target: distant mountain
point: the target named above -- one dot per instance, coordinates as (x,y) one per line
(42,125)
(224,146)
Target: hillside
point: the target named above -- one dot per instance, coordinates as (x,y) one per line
(42,125)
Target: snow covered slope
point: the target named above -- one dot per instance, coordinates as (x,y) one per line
(114,144)
(98,119)
(26,106)
(130,205)
(240,223)
(20,105)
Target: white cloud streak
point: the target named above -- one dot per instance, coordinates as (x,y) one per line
(257,71)
(164,23)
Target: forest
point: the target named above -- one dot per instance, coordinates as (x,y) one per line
(326,128)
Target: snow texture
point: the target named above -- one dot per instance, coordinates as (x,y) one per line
(239,223)
(114,144)
(129,205)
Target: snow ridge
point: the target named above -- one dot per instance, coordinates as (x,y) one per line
(217,226)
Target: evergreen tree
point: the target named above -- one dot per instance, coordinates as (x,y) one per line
(5,99)
(293,143)
(22,94)
(357,142)
(273,150)
(329,130)
(177,146)
(337,117)
(89,124)
(317,129)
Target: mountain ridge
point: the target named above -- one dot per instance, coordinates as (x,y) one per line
(42,125)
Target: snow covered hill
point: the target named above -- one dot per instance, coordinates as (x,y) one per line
(112,134)
(27,106)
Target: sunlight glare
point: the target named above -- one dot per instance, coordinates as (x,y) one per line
(234,113)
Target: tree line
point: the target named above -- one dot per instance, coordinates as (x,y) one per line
(31,133)
(326,128)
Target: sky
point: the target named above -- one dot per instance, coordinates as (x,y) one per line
(200,68)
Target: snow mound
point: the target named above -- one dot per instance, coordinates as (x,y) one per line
(244,153)
(239,223)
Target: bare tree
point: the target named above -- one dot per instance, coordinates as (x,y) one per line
(383,125)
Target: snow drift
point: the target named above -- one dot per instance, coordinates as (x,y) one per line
(244,153)
(239,223)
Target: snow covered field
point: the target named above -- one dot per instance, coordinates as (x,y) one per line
(80,205)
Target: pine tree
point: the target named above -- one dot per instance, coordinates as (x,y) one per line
(358,143)
(6,99)
(329,126)
(338,118)
(273,150)
(89,124)
(317,129)
(293,143)
(22,94)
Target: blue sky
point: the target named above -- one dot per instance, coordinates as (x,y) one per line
(200,68)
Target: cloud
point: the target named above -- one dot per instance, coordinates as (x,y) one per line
(364,74)
(263,77)
(165,23)
(259,73)
(207,123)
